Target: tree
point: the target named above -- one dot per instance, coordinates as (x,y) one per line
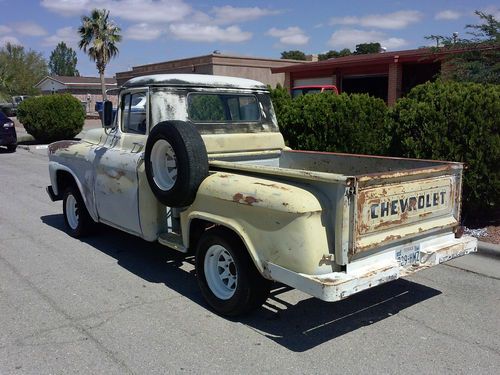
(20,70)
(334,54)
(99,37)
(293,55)
(63,61)
(476,59)
(365,48)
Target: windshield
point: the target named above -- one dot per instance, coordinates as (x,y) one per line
(298,92)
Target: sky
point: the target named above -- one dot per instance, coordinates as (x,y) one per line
(162,30)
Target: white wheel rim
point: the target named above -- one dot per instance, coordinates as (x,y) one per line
(163,164)
(220,272)
(72,212)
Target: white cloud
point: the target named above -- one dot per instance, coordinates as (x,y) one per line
(291,35)
(133,10)
(69,35)
(447,15)
(143,31)
(348,38)
(9,39)
(29,29)
(393,43)
(395,20)
(228,14)
(4,29)
(206,33)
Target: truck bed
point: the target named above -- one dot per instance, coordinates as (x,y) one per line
(375,202)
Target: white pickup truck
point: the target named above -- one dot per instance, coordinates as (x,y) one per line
(201,167)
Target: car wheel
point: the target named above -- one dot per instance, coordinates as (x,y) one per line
(76,217)
(11,148)
(176,162)
(228,279)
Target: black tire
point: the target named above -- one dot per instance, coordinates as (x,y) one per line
(84,223)
(251,289)
(11,148)
(191,162)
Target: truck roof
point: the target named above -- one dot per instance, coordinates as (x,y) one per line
(194,80)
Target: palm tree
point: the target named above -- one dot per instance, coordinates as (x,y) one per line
(99,37)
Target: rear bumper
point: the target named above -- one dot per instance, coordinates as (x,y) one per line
(374,271)
(8,139)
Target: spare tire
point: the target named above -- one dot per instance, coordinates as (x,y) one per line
(176,162)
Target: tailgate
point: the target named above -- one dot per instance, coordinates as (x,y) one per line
(399,206)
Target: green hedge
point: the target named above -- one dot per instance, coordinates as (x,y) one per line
(457,122)
(338,123)
(52,117)
(441,121)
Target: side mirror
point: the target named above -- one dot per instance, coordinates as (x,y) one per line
(107,116)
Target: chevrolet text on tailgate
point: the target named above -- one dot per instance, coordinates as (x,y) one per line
(198,164)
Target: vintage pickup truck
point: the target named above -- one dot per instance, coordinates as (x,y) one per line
(201,167)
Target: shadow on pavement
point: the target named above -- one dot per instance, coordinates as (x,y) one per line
(297,327)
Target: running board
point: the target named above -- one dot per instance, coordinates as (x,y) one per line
(172,240)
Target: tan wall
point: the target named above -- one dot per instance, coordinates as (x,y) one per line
(234,66)
(263,75)
(88,97)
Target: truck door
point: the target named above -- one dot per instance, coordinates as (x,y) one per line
(116,163)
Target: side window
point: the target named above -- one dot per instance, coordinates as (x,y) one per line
(133,108)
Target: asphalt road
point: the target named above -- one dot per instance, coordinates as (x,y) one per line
(114,304)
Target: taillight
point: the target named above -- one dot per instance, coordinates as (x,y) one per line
(8,125)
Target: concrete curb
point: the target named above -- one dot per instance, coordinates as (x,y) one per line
(488,248)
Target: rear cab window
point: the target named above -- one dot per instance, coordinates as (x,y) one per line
(208,107)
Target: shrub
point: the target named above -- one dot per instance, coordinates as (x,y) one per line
(457,122)
(51,118)
(327,122)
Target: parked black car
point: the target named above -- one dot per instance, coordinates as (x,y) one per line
(8,135)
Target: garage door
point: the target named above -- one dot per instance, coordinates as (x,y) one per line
(313,81)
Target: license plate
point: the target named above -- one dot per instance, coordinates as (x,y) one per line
(408,255)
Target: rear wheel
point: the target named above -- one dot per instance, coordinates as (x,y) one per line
(11,148)
(228,279)
(77,219)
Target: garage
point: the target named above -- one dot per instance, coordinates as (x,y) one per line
(375,85)
(313,81)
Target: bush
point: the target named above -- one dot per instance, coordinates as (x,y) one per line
(457,122)
(338,123)
(51,118)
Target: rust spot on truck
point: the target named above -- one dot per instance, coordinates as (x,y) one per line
(249,200)
(274,186)
(60,145)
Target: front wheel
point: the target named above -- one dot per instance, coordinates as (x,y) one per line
(228,279)
(77,219)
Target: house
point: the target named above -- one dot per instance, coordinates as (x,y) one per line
(85,89)
(387,75)
(256,68)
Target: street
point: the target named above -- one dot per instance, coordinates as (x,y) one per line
(115,304)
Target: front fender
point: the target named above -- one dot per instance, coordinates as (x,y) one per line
(86,192)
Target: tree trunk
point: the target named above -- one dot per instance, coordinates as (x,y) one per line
(103,86)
